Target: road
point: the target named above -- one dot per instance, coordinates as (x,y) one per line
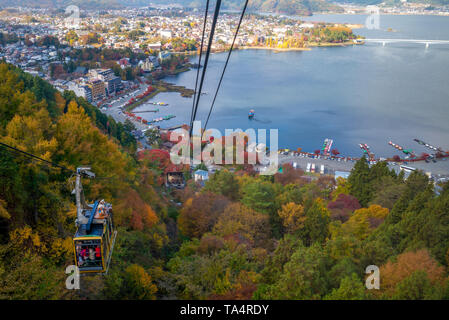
(115,111)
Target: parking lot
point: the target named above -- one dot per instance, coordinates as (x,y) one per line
(440,168)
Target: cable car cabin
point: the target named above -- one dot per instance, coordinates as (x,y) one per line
(94,241)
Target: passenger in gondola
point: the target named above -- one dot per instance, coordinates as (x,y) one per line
(83,255)
(79,255)
(91,254)
(102,211)
(97,253)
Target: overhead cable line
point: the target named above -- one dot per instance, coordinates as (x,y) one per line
(206,60)
(199,61)
(226,64)
(36,157)
(14,151)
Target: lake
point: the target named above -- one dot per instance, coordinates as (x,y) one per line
(357,94)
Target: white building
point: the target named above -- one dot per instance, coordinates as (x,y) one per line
(165,34)
(201,175)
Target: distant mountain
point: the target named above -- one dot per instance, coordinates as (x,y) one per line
(87,4)
(293,7)
(298,7)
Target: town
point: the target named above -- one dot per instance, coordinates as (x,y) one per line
(100,55)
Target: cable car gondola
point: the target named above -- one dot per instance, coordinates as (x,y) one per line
(94,239)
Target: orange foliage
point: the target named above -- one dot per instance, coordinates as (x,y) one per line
(199,214)
(134,212)
(407,263)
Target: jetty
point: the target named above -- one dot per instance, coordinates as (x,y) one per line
(145,111)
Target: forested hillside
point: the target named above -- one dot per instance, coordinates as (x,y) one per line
(36,206)
(241,236)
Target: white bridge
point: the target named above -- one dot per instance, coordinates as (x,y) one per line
(426,42)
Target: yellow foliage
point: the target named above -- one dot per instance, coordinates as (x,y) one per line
(342,187)
(365,220)
(3,212)
(25,238)
(140,283)
(292,216)
(61,249)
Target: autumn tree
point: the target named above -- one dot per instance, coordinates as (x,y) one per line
(292,216)
(200,213)
(343,206)
(244,225)
(393,273)
(364,220)
(134,212)
(137,284)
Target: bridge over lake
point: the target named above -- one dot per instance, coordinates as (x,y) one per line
(427,43)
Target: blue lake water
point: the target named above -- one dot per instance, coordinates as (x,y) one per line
(356,94)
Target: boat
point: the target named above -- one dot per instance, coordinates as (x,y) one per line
(251,114)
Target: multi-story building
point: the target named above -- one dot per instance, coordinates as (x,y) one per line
(111,82)
(97,88)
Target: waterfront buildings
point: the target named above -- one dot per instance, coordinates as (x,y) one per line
(111,82)
(97,88)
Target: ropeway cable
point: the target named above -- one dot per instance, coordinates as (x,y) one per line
(206,60)
(15,151)
(199,61)
(36,157)
(226,64)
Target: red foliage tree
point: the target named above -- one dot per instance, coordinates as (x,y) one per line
(343,206)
